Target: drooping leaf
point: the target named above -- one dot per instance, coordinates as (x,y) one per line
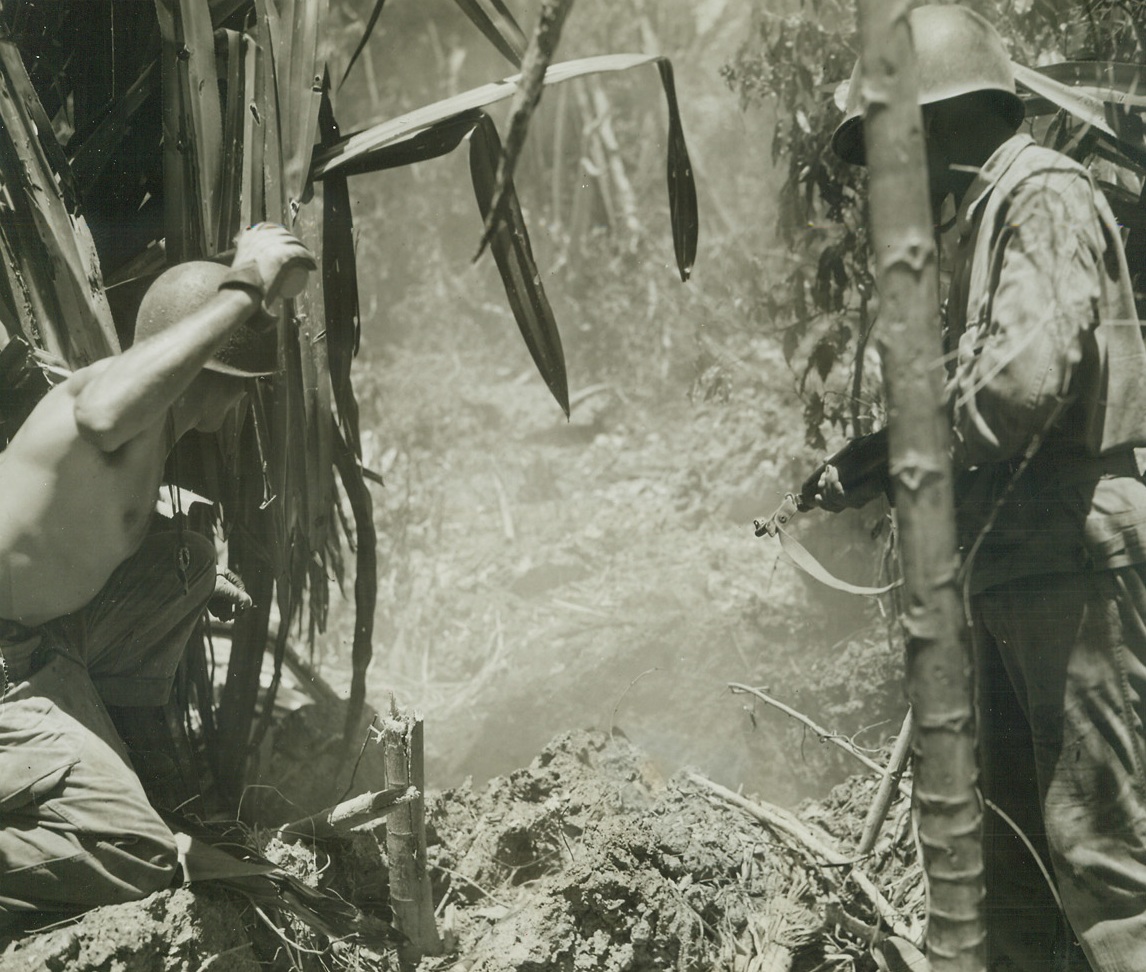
(681,183)
(436,128)
(437,140)
(519,273)
(339,284)
(542,46)
(494,20)
(366,577)
(1082,105)
(350,149)
(1104,95)
(370,24)
(1112,81)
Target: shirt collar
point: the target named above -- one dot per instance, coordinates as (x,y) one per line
(989,175)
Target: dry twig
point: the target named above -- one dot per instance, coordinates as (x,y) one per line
(784,822)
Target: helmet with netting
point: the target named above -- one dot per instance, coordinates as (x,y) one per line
(957,53)
(250,352)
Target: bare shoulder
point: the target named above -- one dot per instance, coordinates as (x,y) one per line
(52,422)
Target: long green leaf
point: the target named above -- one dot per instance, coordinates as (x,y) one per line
(519,273)
(181,214)
(370,24)
(1096,107)
(1112,81)
(542,46)
(339,284)
(428,143)
(199,83)
(495,21)
(405,126)
(365,580)
(232,54)
(1081,104)
(681,184)
(300,94)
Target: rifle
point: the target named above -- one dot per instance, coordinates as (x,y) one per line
(862,461)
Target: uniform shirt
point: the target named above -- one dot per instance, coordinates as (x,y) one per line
(1046,364)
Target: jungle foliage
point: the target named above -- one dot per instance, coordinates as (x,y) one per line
(1083,96)
(138,135)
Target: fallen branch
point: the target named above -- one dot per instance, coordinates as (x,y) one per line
(892,777)
(350,814)
(785,822)
(832,737)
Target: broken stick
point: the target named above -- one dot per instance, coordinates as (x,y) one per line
(349,814)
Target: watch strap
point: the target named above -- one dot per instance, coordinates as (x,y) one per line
(245,278)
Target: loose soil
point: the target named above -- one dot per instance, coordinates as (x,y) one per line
(587,859)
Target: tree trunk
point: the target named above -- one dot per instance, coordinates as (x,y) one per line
(938,661)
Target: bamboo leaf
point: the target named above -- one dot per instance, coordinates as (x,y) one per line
(366,577)
(542,45)
(1081,104)
(1098,94)
(519,273)
(681,184)
(1112,81)
(495,21)
(300,93)
(339,284)
(350,149)
(370,24)
(199,82)
(437,140)
(233,54)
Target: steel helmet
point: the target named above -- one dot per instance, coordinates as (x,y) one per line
(252,349)
(957,52)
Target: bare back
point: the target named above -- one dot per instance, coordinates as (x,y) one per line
(71,513)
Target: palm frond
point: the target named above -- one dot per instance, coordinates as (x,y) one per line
(51,272)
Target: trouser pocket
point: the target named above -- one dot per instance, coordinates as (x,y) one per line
(36,752)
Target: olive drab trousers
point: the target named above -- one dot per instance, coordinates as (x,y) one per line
(1061,672)
(76,829)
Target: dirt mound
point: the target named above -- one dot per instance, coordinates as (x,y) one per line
(588,859)
(176,931)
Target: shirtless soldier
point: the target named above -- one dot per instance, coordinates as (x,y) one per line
(95,611)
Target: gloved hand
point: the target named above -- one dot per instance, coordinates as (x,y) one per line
(230,597)
(275,261)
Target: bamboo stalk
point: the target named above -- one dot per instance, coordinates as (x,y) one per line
(345,816)
(938,665)
(410,895)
